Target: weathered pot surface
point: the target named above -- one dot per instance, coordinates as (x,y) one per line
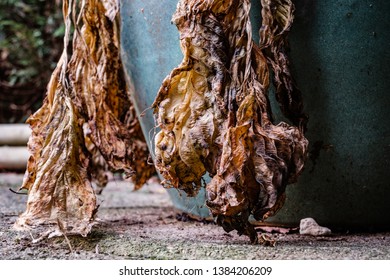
(340,59)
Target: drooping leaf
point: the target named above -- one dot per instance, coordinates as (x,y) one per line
(57,172)
(101,93)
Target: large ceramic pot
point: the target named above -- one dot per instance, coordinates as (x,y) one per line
(340,53)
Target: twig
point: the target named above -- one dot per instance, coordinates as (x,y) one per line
(15,192)
(62,229)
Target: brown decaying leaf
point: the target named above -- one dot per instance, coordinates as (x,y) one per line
(98,166)
(86,125)
(103,97)
(215,117)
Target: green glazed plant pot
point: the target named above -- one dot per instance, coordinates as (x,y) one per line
(340,54)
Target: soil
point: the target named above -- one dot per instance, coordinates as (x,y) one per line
(145,225)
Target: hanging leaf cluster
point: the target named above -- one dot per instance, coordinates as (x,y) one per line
(213,112)
(215,116)
(86,126)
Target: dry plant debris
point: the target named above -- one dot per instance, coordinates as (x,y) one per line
(215,116)
(86,125)
(213,112)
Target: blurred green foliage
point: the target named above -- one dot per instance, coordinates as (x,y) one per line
(31,40)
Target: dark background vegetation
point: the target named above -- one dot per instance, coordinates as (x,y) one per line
(31,40)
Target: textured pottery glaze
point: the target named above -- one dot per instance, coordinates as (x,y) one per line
(341,61)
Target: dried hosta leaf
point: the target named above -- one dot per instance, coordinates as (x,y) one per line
(97,78)
(86,125)
(214,113)
(98,167)
(277,19)
(56,176)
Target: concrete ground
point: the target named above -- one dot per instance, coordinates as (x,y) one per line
(145,225)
